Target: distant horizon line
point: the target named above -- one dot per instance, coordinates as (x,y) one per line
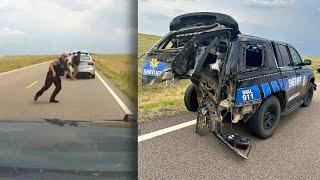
(1,55)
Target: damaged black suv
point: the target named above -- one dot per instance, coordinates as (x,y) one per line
(234,76)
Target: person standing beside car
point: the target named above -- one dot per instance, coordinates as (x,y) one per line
(70,70)
(76,62)
(56,69)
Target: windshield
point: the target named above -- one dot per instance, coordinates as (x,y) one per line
(85,58)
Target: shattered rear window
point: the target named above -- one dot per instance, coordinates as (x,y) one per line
(254,56)
(177,40)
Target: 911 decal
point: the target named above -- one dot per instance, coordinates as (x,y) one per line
(247,94)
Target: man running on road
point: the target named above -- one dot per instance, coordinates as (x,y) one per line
(56,69)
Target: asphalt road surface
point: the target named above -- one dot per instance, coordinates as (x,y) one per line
(293,152)
(83,99)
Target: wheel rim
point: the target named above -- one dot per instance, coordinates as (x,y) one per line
(270,116)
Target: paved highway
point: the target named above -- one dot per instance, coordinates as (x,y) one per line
(170,149)
(83,99)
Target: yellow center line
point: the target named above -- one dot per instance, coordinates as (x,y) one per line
(32,84)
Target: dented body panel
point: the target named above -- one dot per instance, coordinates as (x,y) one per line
(233,74)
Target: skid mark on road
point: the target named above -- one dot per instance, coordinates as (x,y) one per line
(32,84)
(166,130)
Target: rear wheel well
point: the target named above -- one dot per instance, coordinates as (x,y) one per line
(281,97)
(312,80)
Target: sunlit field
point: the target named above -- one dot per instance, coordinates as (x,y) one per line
(121,69)
(8,63)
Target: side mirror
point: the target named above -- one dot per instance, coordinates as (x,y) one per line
(307,62)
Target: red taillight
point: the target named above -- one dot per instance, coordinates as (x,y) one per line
(90,63)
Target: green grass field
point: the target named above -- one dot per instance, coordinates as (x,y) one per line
(8,63)
(121,70)
(315,63)
(159,102)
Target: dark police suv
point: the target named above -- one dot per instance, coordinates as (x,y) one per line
(234,76)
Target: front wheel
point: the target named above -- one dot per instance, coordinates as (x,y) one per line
(266,118)
(309,95)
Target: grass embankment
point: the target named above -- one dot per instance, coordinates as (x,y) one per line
(314,65)
(157,101)
(8,63)
(121,69)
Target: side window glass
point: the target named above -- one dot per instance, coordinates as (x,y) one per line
(284,55)
(254,56)
(296,59)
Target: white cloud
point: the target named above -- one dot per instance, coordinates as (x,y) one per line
(57,21)
(5,31)
(149,10)
(270,3)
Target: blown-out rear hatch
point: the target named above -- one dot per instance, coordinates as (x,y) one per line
(190,36)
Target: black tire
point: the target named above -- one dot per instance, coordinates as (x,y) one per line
(190,98)
(266,119)
(308,96)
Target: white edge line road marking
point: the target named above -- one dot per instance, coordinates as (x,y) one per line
(27,67)
(32,84)
(115,96)
(166,130)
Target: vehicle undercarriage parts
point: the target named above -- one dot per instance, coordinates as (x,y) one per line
(237,143)
(234,141)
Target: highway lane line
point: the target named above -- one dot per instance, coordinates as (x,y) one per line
(115,96)
(165,130)
(32,84)
(23,68)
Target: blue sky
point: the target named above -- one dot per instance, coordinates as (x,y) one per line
(293,21)
(55,26)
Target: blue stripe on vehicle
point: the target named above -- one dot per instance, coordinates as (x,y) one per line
(281,84)
(275,86)
(266,89)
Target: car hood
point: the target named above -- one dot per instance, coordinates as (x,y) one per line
(61,147)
